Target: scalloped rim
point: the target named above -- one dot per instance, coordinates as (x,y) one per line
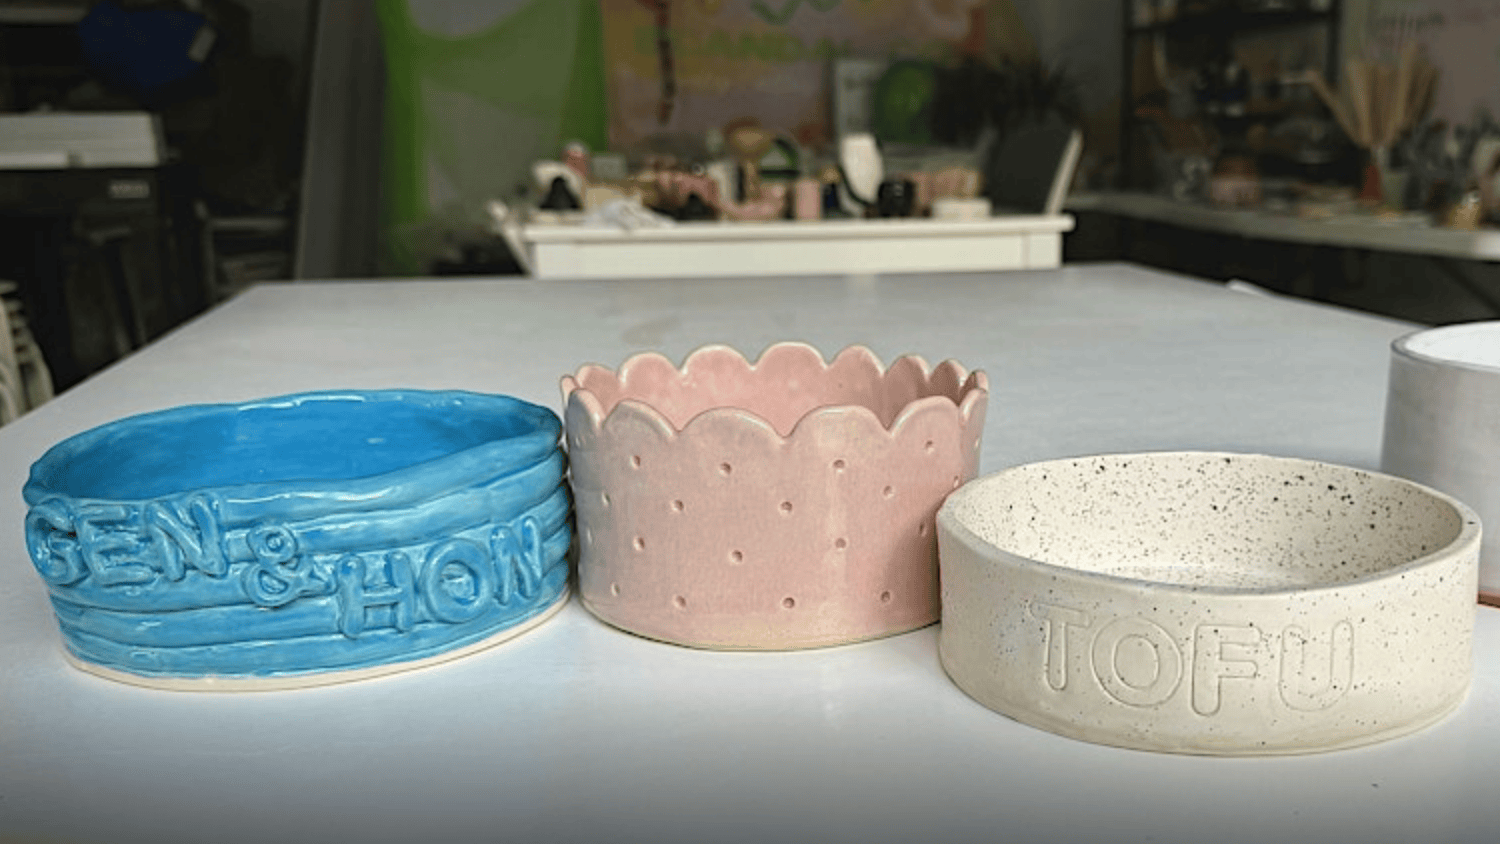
(973,387)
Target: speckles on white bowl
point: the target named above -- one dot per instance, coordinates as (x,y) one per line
(784,504)
(1208,603)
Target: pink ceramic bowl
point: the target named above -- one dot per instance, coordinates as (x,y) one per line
(784,504)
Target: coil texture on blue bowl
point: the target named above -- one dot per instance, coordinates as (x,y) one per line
(301,540)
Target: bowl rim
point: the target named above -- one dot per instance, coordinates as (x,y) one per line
(1402,346)
(493,457)
(1467,540)
(973,387)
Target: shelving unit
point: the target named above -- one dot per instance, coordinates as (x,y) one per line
(1223,19)
(241,250)
(1211,29)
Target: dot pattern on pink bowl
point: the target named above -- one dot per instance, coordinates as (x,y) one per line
(784,504)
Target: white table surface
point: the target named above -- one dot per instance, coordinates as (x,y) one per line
(578,732)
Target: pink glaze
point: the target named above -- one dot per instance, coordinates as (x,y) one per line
(784,504)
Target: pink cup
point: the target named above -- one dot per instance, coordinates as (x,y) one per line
(784,504)
(807,200)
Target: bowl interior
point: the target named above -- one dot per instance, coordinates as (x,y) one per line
(788,382)
(304,438)
(1474,344)
(1233,522)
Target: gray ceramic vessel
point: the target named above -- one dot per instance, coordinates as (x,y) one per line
(1442,423)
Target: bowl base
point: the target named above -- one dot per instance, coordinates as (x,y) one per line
(760,645)
(217,683)
(1191,747)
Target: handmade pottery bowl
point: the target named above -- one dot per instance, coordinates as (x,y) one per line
(1206,603)
(301,540)
(1442,423)
(783,504)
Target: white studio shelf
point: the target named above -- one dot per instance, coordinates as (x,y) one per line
(575,250)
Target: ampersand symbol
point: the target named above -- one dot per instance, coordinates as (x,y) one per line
(278,578)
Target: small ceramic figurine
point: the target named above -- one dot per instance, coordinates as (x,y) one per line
(687,195)
(576,157)
(831,183)
(748,142)
(895,198)
(676,187)
(770,204)
(559,197)
(695,195)
(1235,182)
(957,182)
(862,169)
(1466,213)
(954,182)
(559,184)
(807,202)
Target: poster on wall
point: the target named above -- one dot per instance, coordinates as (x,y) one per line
(682,67)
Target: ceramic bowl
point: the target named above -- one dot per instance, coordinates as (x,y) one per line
(783,504)
(1207,603)
(301,540)
(1442,423)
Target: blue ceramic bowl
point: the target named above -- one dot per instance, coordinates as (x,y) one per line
(301,540)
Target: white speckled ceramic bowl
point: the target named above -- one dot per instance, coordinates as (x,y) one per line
(785,503)
(1442,423)
(1208,603)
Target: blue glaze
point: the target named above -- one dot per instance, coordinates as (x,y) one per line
(302,534)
